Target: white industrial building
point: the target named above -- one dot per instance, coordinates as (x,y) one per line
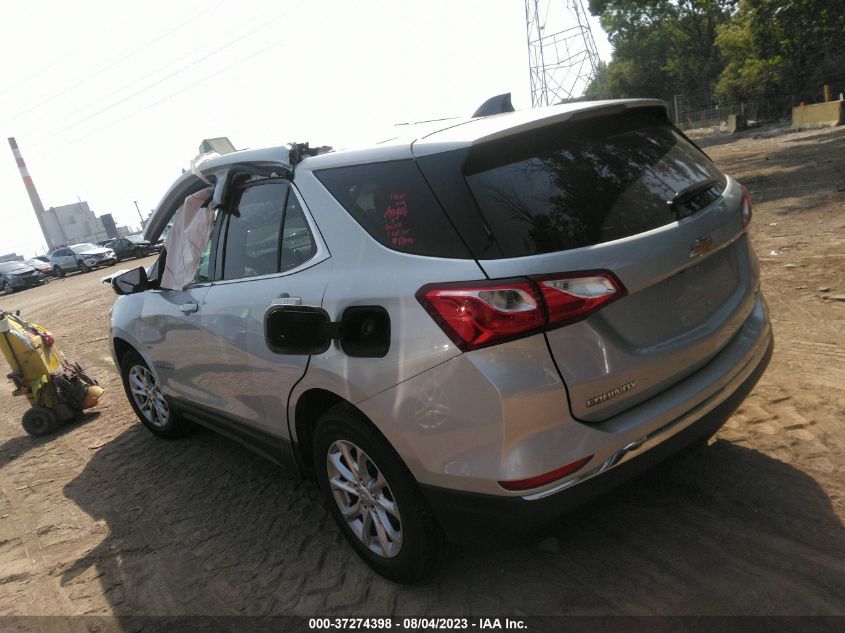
(72,224)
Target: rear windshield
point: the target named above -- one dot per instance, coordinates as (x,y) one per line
(577,184)
(395,206)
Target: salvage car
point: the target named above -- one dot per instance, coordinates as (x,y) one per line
(16,276)
(45,268)
(130,246)
(81,257)
(470,328)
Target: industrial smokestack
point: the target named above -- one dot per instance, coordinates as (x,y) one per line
(31,190)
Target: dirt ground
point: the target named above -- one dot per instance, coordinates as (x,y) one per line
(102,518)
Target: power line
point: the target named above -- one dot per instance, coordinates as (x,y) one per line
(129,84)
(185,88)
(262,25)
(85,79)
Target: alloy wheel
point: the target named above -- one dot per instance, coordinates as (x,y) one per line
(364,498)
(147,396)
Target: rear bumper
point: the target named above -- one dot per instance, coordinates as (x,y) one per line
(461,513)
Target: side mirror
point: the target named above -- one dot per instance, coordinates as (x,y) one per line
(130,282)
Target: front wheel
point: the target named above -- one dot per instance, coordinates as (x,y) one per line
(83,268)
(373,497)
(147,401)
(58,272)
(7,288)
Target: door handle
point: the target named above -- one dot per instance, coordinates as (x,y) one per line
(287,301)
(189,307)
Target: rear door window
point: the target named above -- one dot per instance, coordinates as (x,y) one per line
(577,184)
(393,203)
(253,231)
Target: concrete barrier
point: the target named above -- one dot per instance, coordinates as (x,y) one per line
(819,115)
(736,123)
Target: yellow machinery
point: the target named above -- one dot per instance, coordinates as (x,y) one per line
(57,390)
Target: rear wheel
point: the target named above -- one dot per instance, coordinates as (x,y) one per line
(373,497)
(40,420)
(147,401)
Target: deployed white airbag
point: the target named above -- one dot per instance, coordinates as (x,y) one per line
(187,240)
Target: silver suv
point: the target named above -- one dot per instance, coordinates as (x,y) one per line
(81,257)
(482,324)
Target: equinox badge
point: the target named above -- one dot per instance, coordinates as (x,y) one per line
(612,393)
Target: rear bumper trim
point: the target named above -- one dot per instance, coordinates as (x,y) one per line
(460,513)
(651,439)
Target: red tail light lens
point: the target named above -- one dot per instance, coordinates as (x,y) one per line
(571,298)
(482,313)
(745,211)
(545,478)
(478,314)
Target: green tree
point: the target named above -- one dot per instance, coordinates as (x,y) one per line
(788,46)
(661,47)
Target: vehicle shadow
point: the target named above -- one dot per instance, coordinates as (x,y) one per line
(201,526)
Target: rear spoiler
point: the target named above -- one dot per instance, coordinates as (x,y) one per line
(595,110)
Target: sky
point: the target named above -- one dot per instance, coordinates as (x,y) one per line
(109,101)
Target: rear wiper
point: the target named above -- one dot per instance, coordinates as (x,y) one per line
(689,193)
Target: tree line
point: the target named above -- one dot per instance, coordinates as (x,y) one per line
(739,50)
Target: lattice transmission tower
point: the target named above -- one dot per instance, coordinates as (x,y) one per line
(562,56)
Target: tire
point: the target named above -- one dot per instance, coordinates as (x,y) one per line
(147,401)
(58,272)
(137,252)
(40,420)
(82,267)
(7,288)
(404,543)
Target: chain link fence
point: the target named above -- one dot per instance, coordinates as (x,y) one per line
(703,109)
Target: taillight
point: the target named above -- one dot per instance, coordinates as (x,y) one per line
(482,313)
(545,478)
(571,298)
(745,211)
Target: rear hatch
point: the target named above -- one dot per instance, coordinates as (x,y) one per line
(619,193)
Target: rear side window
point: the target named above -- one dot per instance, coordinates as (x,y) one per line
(577,184)
(393,203)
(298,244)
